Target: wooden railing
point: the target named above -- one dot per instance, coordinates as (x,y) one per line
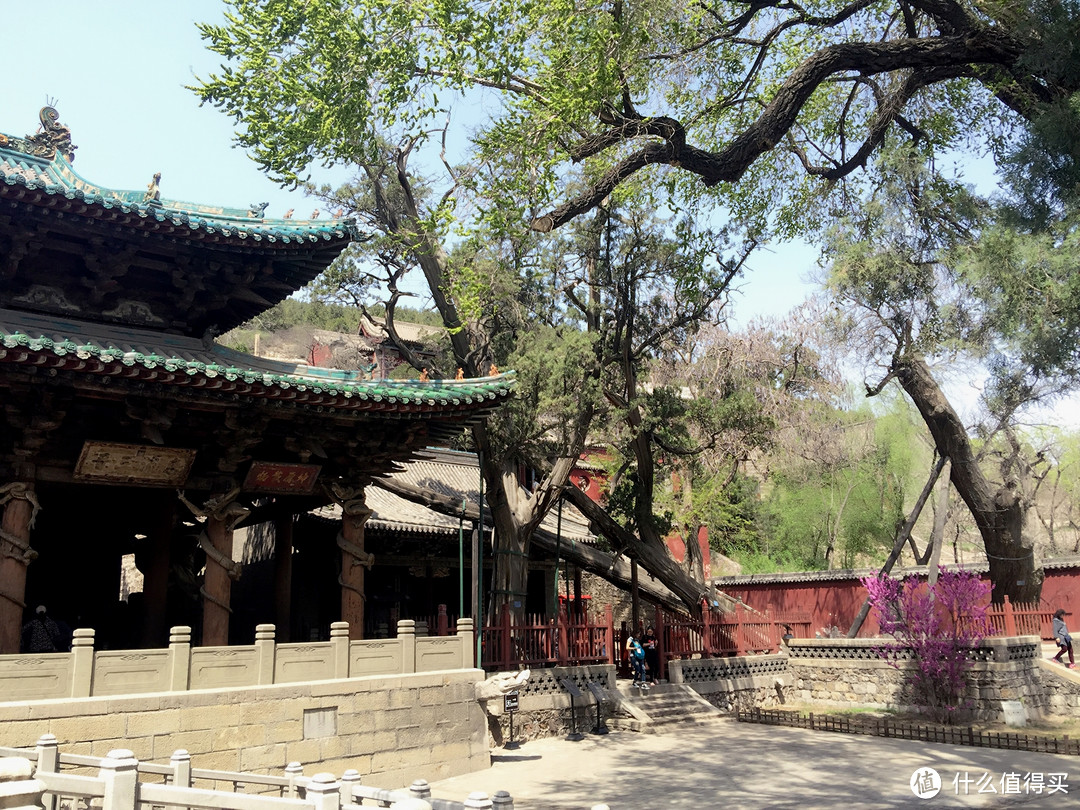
(539,642)
(1021,619)
(739,632)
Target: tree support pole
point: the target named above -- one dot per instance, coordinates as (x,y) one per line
(901,538)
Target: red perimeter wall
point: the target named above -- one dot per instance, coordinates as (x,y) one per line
(835,602)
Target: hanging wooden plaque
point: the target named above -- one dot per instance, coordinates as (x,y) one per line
(281,479)
(145,465)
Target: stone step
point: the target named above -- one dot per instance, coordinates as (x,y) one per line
(662,708)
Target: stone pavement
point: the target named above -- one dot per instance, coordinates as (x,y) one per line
(740,765)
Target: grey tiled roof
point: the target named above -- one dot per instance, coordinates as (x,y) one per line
(453,474)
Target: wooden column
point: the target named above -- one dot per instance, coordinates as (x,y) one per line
(354,558)
(222,513)
(155,630)
(283,554)
(217,585)
(20,507)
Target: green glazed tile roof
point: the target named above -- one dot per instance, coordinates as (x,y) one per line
(56,178)
(30,339)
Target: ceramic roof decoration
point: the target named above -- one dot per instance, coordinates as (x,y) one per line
(174,360)
(138,256)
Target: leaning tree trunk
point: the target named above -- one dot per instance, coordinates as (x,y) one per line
(998,510)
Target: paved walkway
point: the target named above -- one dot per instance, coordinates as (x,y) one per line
(740,765)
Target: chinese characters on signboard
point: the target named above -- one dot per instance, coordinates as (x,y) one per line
(281,479)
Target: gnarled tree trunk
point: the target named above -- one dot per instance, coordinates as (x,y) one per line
(999,511)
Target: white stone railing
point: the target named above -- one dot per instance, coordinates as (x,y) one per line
(86,672)
(124,783)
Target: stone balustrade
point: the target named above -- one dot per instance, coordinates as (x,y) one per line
(87,672)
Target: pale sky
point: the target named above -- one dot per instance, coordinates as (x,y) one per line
(115,70)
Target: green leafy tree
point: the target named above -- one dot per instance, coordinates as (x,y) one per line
(618,88)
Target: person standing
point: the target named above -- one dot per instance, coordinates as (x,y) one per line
(637,660)
(652,655)
(43,635)
(1063,639)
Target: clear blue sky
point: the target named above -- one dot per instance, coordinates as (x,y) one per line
(117,70)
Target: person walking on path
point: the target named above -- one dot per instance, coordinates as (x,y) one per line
(1063,639)
(637,660)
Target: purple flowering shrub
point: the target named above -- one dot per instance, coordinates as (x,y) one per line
(939,626)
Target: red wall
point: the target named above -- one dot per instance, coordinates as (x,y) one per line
(837,601)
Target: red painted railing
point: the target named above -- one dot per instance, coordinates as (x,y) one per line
(1021,619)
(539,642)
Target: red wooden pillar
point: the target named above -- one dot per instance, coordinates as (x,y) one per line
(354,559)
(507,639)
(442,623)
(155,630)
(564,637)
(283,554)
(609,634)
(217,584)
(739,647)
(19,509)
(706,630)
(661,642)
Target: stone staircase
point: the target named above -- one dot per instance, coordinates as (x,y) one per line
(660,709)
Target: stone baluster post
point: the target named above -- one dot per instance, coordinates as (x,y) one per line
(420,789)
(339,642)
(48,761)
(82,669)
(406,633)
(502,801)
(181,767)
(179,658)
(468,643)
(349,780)
(265,652)
(119,771)
(478,801)
(293,771)
(324,792)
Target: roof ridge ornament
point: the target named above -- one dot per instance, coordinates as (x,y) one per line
(153,190)
(54,137)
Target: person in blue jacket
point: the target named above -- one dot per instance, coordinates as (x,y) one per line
(636,653)
(1062,637)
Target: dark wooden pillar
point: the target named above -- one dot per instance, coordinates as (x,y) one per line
(155,570)
(222,513)
(283,554)
(354,558)
(19,508)
(217,584)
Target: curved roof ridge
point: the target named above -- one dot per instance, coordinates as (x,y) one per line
(57,178)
